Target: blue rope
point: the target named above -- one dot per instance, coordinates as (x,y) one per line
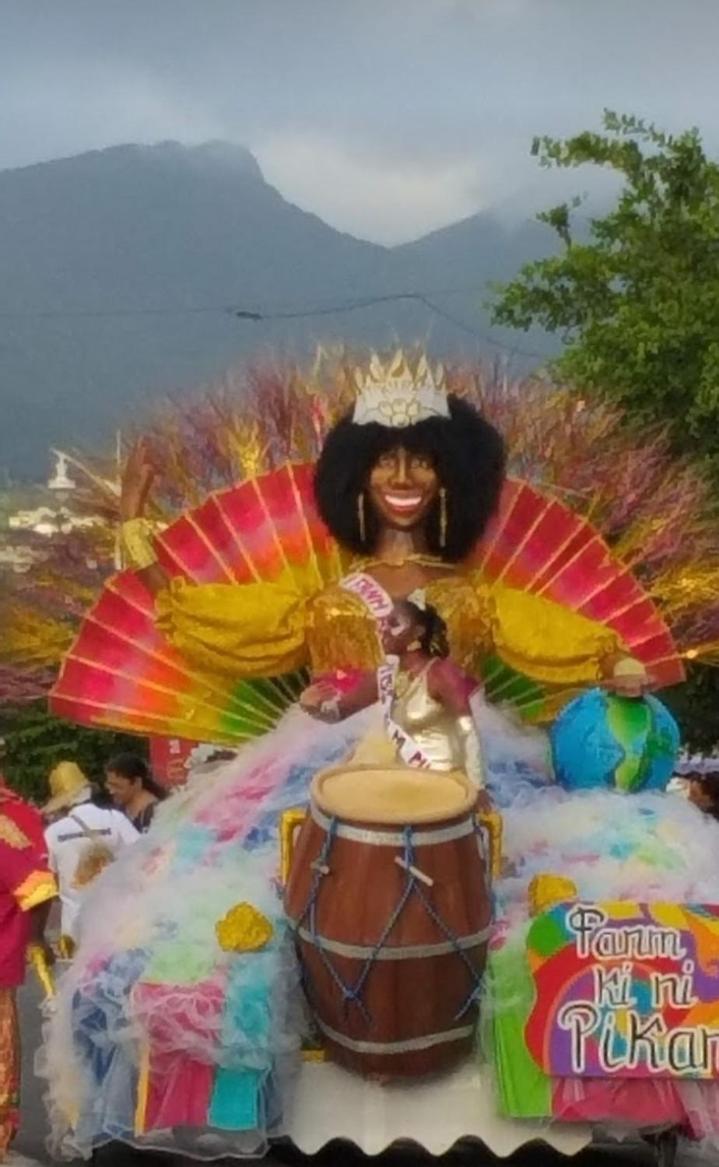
(449,934)
(408,889)
(320,862)
(351,994)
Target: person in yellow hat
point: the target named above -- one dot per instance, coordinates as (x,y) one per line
(82,838)
(68,787)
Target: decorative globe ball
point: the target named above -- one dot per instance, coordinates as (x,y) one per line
(603,740)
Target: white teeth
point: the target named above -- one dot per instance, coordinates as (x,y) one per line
(403,502)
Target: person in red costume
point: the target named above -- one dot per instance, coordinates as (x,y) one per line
(26,891)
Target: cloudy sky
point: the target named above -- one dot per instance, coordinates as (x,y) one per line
(386,117)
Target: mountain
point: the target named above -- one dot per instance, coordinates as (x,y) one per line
(123,269)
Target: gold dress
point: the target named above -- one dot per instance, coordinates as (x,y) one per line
(447,741)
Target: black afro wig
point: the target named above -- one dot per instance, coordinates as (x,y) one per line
(467,453)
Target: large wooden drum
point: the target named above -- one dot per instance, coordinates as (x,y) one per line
(388,896)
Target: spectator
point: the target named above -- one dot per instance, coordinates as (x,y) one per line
(27,889)
(704,792)
(82,839)
(133,790)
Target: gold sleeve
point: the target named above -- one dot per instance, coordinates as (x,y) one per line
(341,632)
(546,641)
(235,630)
(464,604)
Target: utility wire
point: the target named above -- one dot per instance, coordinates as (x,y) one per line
(250,313)
(256,315)
(417,297)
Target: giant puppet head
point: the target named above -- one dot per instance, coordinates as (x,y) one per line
(409,454)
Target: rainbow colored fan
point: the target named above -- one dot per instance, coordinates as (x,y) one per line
(538,545)
(122,672)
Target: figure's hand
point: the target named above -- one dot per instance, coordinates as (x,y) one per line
(484,803)
(137,479)
(44,950)
(315,696)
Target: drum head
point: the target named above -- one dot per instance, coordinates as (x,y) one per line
(388,795)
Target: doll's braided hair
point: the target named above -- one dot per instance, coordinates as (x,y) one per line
(433,640)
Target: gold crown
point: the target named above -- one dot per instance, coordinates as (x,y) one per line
(398,395)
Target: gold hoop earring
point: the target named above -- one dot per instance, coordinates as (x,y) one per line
(442,517)
(361,518)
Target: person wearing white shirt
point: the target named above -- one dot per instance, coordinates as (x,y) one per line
(82,839)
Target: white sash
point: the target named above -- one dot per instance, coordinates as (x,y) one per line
(372,595)
(381,605)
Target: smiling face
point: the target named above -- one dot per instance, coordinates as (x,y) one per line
(402,629)
(402,487)
(122,790)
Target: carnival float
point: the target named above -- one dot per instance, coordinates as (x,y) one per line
(439,892)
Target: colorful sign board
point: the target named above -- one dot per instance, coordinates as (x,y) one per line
(625,990)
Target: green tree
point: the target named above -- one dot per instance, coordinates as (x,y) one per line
(696,707)
(636,300)
(35,741)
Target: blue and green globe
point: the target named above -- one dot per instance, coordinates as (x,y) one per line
(601,740)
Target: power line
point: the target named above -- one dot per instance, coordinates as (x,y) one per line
(258,315)
(232,309)
(417,297)
(94,313)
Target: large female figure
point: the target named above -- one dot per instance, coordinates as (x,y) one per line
(180,1020)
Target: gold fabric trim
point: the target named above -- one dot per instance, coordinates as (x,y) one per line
(9,1069)
(37,889)
(38,960)
(11,834)
(137,544)
(341,632)
(464,603)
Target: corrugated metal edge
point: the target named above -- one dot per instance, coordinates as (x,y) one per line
(331,1103)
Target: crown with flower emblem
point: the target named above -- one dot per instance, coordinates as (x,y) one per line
(396,394)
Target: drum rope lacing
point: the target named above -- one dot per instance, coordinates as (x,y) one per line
(352,993)
(321,869)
